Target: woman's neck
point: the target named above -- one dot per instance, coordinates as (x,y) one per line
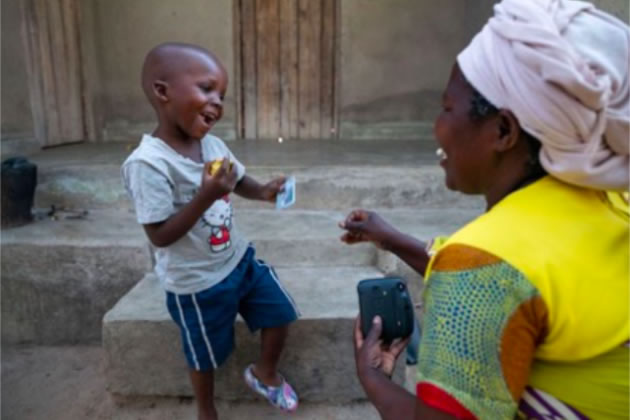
(508,183)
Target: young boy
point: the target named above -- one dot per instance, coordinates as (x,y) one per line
(207,267)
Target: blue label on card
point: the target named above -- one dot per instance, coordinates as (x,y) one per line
(287,197)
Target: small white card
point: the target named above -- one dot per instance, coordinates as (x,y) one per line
(287,197)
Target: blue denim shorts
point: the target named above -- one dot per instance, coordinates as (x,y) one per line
(206,319)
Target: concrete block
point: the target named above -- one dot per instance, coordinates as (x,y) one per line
(394,130)
(319,188)
(59,277)
(331,175)
(58,295)
(144,356)
(301,238)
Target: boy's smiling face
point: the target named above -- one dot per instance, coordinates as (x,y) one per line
(193,95)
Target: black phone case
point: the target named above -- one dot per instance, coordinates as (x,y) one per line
(387,297)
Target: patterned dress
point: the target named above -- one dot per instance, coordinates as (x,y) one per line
(541,341)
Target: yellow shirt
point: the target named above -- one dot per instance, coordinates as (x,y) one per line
(572,245)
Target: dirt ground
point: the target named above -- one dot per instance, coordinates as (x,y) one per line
(68,383)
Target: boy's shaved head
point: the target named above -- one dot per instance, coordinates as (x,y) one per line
(170,59)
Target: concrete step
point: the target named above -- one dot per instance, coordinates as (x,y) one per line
(57,375)
(322,187)
(144,356)
(270,154)
(331,175)
(59,277)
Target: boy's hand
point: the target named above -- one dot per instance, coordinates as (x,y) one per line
(220,183)
(366,226)
(270,190)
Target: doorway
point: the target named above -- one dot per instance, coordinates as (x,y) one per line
(286,68)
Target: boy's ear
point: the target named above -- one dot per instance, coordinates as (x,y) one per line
(160,89)
(508,131)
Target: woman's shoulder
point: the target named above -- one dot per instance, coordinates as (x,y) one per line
(457,257)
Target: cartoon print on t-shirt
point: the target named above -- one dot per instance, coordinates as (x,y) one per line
(219,218)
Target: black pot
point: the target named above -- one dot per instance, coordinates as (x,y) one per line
(19,179)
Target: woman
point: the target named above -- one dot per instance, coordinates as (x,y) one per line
(526,308)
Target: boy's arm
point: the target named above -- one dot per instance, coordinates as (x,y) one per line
(165,233)
(213,187)
(362,226)
(251,189)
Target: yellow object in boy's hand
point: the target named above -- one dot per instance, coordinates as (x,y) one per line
(217,164)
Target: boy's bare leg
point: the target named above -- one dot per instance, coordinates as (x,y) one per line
(203,386)
(272,343)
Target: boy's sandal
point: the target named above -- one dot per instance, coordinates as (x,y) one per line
(282,396)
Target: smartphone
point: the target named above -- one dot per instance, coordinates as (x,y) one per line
(389,298)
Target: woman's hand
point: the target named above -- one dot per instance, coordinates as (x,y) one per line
(370,354)
(366,226)
(270,190)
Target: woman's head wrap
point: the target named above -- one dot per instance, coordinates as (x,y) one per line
(561,67)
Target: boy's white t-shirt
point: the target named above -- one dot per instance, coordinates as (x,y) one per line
(160,182)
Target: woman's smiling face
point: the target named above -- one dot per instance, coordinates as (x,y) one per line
(466,143)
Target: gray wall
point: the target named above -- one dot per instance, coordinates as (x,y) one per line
(395,56)
(17,121)
(124,31)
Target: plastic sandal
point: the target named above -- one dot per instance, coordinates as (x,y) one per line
(282,397)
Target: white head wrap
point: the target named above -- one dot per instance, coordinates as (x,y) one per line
(561,67)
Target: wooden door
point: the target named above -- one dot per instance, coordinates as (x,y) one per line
(51,39)
(286,68)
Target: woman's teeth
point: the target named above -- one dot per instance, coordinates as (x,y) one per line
(441,154)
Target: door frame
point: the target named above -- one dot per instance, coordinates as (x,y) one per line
(54,61)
